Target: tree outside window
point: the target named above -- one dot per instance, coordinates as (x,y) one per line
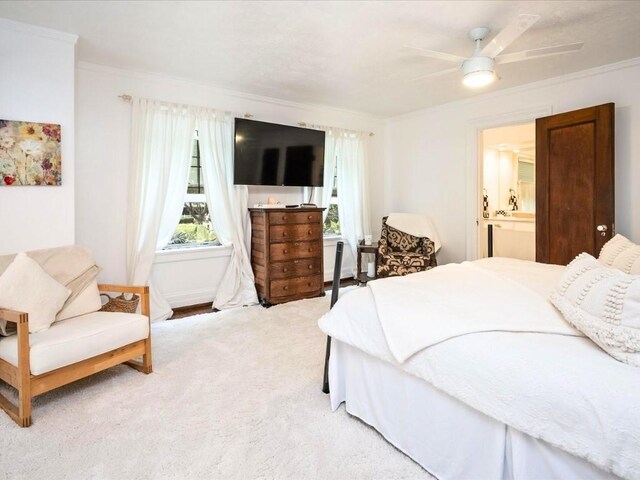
(195,228)
(332,222)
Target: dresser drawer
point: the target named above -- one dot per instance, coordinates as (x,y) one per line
(280,218)
(296,268)
(295,286)
(286,251)
(294,233)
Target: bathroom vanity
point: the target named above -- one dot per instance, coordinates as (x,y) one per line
(513,237)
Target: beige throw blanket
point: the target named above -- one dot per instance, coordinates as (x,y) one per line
(416,225)
(73,266)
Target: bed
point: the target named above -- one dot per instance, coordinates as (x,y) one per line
(516,393)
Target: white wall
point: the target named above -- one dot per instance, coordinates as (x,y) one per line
(430,154)
(37,85)
(103,122)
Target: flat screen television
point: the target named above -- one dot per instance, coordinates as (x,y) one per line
(272,154)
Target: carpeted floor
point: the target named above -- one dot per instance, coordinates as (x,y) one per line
(234,395)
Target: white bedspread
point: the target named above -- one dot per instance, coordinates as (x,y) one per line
(458,299)
(559,388)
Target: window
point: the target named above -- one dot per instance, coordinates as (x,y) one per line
(195,228)
(332,222)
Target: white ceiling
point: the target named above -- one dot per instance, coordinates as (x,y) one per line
(345,54)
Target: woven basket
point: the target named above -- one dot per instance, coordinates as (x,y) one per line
(120,304)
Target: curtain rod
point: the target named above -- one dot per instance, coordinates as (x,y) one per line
(305,124)
(127,98)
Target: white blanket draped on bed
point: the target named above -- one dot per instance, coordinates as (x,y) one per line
(559,388)
(458,299)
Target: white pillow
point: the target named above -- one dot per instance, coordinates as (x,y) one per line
(87,301)
(26,287)
(621,253)
(603,303)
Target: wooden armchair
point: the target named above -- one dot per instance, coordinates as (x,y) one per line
(19,374)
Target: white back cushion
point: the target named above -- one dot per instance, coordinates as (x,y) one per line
(26,287)
(87,301)
(603,303)
(621,253)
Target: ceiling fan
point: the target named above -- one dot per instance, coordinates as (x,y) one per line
(478,70)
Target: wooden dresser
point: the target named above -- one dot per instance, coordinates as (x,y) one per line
(286,253)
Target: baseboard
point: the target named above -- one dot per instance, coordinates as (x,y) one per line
(346,272)
(187,298)
(190,297)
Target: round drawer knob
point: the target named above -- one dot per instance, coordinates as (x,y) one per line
(309,232)
(284,234)
(311,249)
(285,251)
(310,217)
(285,288)
(310,267)
(285,269)
(309,284)
(284,217)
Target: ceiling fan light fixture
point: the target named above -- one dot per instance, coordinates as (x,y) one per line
(478,79)
(478,72)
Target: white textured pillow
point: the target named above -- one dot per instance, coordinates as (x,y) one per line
(26,287)
(603,303)
(621,253)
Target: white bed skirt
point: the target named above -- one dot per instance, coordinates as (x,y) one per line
(448,438)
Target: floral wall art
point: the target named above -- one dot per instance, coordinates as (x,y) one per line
(29,153)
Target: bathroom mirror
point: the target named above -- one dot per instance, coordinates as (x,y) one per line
(526,182)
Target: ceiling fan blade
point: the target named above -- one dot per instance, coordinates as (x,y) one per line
(433,74)
(539,52)
(509,34)
(439,55)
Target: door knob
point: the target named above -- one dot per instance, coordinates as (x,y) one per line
(602,229)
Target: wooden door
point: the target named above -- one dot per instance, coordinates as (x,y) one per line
(574,183)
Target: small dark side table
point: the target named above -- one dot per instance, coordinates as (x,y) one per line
(362,277)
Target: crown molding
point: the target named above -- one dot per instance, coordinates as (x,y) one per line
(38,31)
(160,77)
(569,77)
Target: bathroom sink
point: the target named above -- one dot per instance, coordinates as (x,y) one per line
(529,215)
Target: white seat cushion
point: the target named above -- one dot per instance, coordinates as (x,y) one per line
(76,339)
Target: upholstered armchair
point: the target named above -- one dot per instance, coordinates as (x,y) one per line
(401,253)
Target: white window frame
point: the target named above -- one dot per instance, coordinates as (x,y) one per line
(334,201)
(191,198)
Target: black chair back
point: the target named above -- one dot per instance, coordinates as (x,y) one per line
(335,287)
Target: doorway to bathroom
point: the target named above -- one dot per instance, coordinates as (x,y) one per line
(507,204)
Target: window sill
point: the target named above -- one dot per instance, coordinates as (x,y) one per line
(332,238)
(216,251)
(191,253)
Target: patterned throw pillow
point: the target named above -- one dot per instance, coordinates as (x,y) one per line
(621,253)
(604,304)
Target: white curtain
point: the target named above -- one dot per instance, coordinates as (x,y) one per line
(228,206)
(161,142)
(353,195)
(322,195)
